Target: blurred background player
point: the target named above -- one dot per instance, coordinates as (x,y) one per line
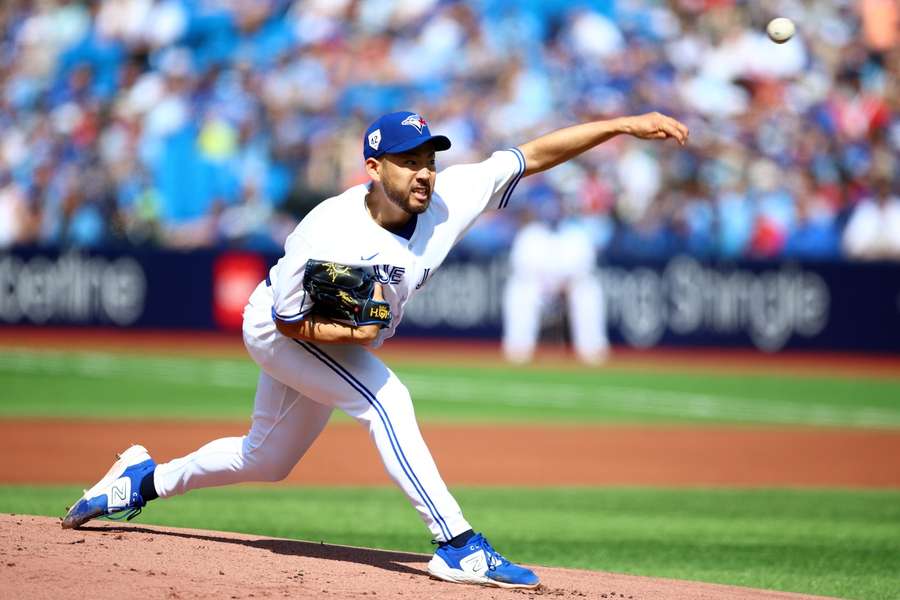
(873,230)
(553,258)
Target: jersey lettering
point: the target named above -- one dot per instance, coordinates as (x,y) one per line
(424,278)
(388,274)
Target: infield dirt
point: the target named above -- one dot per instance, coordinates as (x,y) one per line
(78,452)
(41,561)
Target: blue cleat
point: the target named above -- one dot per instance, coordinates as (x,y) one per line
(118,492)
(478,563)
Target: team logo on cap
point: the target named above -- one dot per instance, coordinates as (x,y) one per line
(415,121)
(375,139)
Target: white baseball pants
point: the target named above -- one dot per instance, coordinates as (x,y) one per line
(300,384)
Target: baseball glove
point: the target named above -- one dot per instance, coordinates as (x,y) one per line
(344,294)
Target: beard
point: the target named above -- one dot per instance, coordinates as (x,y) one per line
(401,199)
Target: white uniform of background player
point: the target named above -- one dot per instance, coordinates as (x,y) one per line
(547,261)
(404,223)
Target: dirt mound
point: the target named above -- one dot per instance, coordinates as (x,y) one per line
(39,560)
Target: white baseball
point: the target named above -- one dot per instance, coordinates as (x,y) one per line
(780,29)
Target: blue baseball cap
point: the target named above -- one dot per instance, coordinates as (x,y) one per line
(398,132)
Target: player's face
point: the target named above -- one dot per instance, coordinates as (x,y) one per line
(408,178)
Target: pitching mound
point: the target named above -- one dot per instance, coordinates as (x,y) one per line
(39,560)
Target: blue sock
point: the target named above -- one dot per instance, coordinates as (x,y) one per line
(462,539)
(148,489)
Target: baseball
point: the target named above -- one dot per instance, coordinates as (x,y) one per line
(780,29)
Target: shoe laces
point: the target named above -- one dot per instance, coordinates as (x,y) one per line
(125,515)
(495,559)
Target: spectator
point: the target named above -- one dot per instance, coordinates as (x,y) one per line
(222,123)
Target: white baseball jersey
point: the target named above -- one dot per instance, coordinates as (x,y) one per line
(341,230)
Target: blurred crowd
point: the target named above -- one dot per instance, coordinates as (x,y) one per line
(208,123)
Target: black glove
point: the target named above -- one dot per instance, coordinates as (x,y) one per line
(344,293)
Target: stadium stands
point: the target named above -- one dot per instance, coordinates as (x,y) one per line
(200,123)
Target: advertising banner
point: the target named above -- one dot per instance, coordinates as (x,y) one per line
(164,290)
(680,302)
(685,302)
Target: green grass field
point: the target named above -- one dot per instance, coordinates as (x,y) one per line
(90,385)
(843,543)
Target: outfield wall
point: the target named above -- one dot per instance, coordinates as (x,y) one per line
(680,302)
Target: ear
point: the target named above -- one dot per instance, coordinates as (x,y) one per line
(373,169)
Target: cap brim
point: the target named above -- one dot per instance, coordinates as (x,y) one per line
(441,143)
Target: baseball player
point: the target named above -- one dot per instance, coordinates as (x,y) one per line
(548,259)
(339,290)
